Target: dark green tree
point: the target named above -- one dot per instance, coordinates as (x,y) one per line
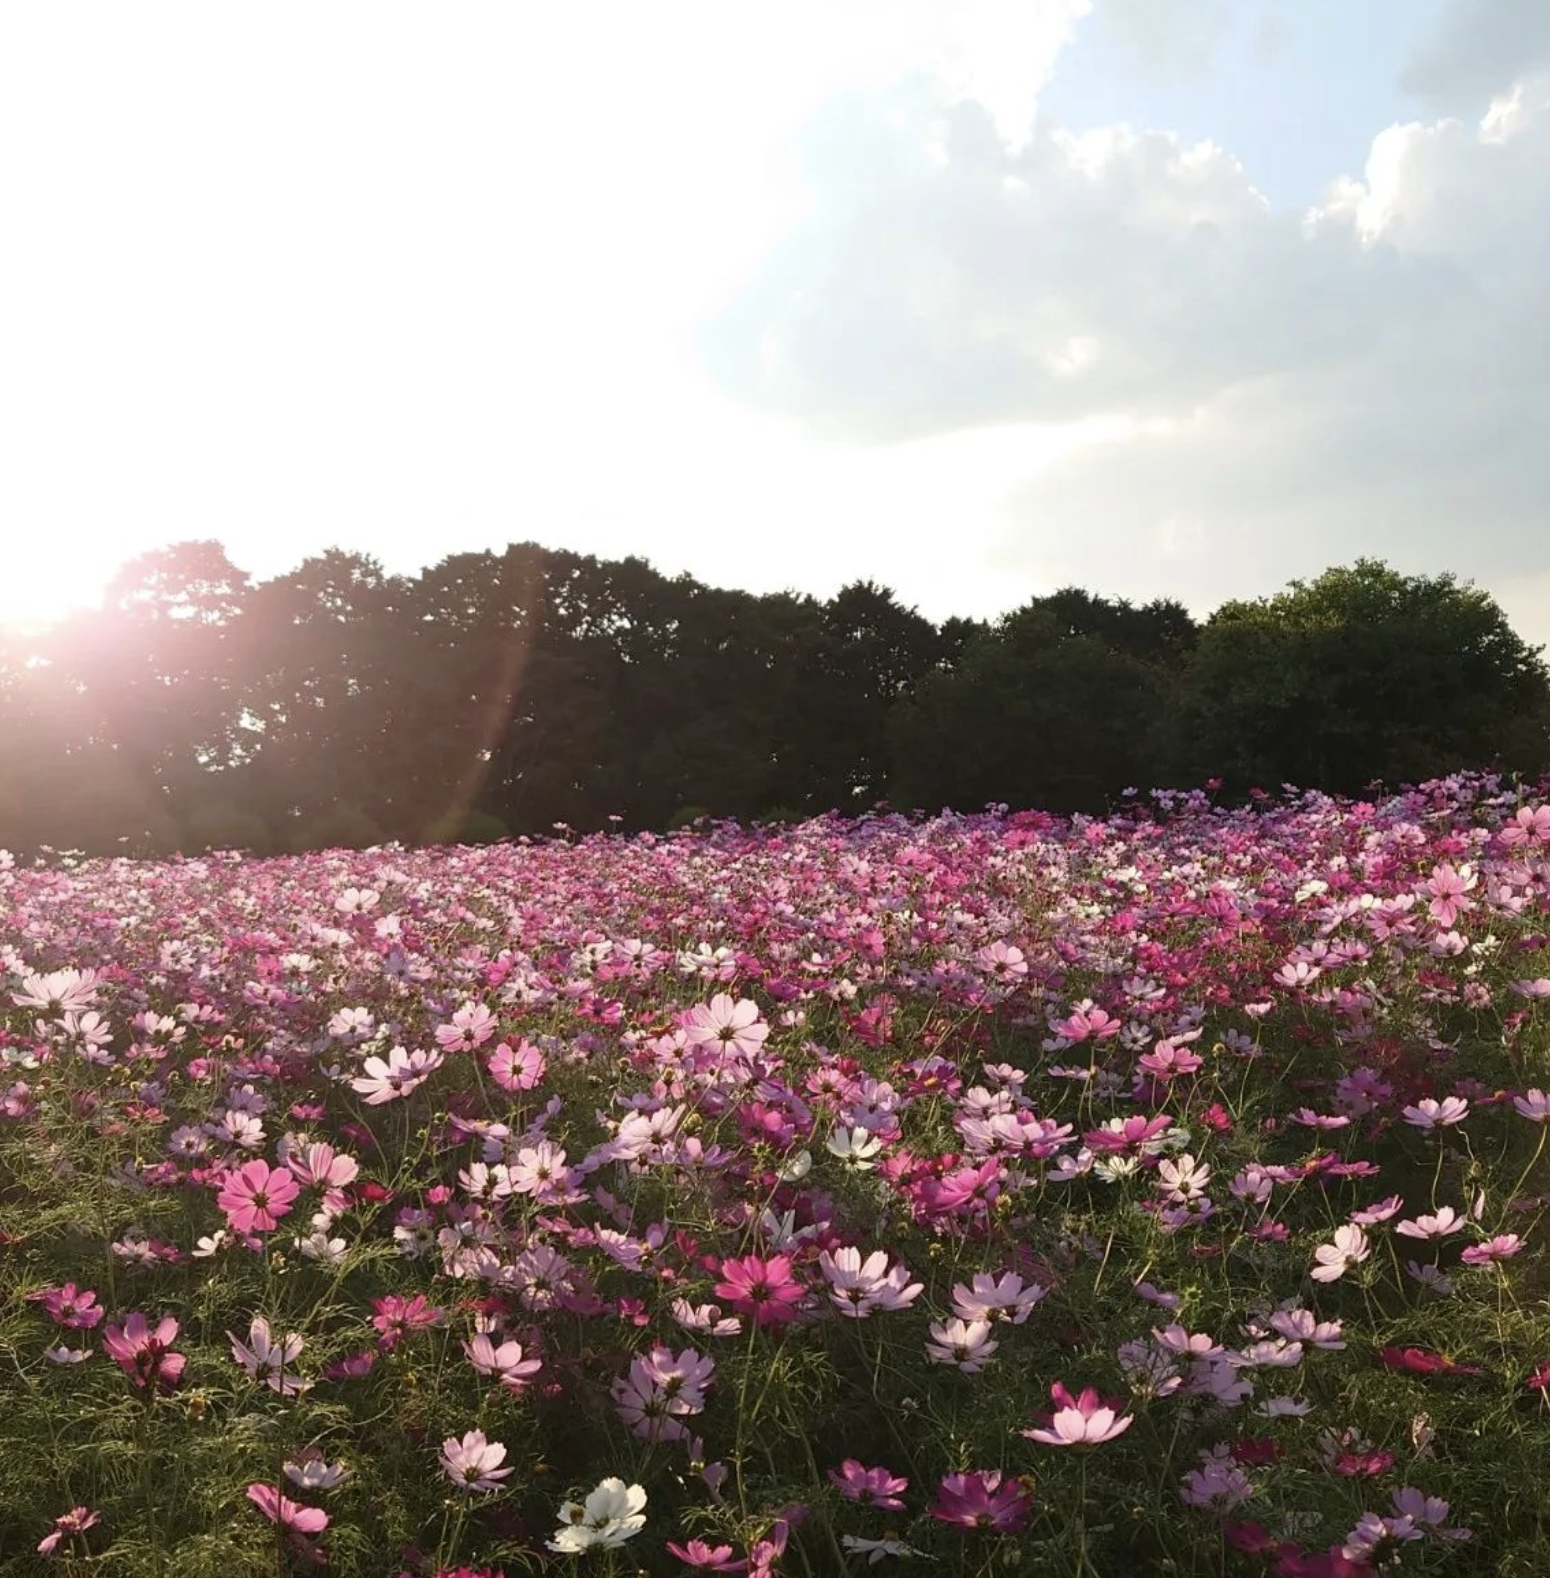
(1363,674)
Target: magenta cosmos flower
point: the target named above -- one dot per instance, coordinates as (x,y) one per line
(1084,1421)
(69,1306)
(982,1501)
(256,1196)
(762,1288)
(142,1351)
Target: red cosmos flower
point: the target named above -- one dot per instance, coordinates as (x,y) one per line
(1540,1379)
(762,1288)
(1254,1539)
(1422,1361)
(1363,1465)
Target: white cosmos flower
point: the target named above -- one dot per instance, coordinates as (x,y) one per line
(611,1515)
(797,1168)
(855,1147)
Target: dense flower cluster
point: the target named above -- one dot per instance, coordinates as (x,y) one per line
(769,1202)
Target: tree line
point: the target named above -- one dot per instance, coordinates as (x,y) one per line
(499,694)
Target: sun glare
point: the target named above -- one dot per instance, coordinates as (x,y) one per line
(39,584)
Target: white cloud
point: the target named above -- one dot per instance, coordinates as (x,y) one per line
(1373,378)
(1170,38)
(1477,50)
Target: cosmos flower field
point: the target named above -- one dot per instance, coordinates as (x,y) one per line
(1158,1195)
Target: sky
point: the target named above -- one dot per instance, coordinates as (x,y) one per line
(1162,298)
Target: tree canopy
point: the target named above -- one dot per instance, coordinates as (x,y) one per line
(503,692)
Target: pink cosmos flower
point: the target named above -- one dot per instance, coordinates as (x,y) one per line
(869,1487)
(76,1521)
(322,1165)
(396,1317)
(1126,1136)
(981,1501)
(1087,1023)
(1502,1247)
(1081,1422)
(471,1026)
(473,1463)
(69,1306)
(1531,825)
(296,1521)
(1349,1249)
(256,1196)
(707,1558)
(1448,886)
(1377,1538)
(143,1353)
(287,1513)
(735,1027)
(516,1068)
(765,1289)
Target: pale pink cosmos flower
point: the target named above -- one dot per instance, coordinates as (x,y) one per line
(734,1027)
(1429,1114)
(266,1360)
(1443,1225)
(398,1074)
(1539,987)
(859,1286)
(1003,1298)
(706,1319)
(502,1360)
(1533,1105)
(311,1471)
(474,1463)
(1081,1422)
(1380,1211)
(966,1344)
(59,991)
(1349,1249)
(1300,1325)
(321,1165)
(1378,1538)
(255,1196)
(1447,886)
